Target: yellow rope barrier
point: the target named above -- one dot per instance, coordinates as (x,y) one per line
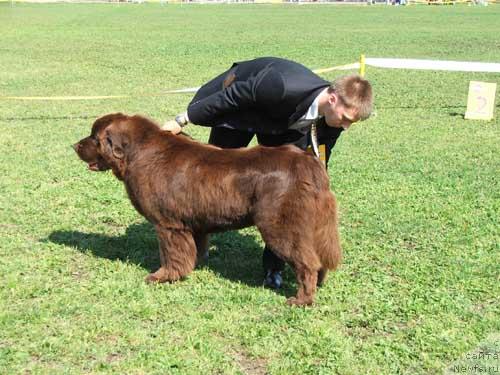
(339,67)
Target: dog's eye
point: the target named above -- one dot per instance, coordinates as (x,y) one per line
(108,139)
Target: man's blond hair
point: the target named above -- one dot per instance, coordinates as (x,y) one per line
(355,92)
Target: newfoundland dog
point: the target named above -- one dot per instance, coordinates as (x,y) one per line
(188,190)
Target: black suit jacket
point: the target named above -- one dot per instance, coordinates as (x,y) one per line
(266,95)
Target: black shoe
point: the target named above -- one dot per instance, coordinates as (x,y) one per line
(273,279)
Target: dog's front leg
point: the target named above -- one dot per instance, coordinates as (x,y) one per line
(177,254)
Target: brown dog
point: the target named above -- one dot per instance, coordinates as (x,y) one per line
(188,190)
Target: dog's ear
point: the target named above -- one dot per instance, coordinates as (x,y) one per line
(116,141)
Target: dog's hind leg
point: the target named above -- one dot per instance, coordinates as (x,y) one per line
(299,254)
(307,280)
(177,255)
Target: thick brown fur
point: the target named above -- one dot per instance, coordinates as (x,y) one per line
(188,190)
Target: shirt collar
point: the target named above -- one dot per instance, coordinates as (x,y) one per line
(312,112)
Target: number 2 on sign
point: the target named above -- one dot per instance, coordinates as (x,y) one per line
(481,103)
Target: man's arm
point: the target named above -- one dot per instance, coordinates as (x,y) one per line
(262,92)
(231,99)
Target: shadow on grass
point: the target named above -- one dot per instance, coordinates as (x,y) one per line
(458,114)
(237,256)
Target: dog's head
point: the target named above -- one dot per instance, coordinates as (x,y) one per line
(88,148)
(110,141)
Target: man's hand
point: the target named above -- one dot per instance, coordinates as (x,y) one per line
(172,126)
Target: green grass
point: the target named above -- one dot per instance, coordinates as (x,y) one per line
(417,185)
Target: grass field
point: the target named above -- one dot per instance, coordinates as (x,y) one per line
(417,185)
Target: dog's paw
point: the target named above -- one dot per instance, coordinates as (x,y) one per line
(151,279)
(293,301)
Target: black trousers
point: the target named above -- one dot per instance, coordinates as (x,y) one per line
(231,138)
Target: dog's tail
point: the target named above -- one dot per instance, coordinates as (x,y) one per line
(327,239)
